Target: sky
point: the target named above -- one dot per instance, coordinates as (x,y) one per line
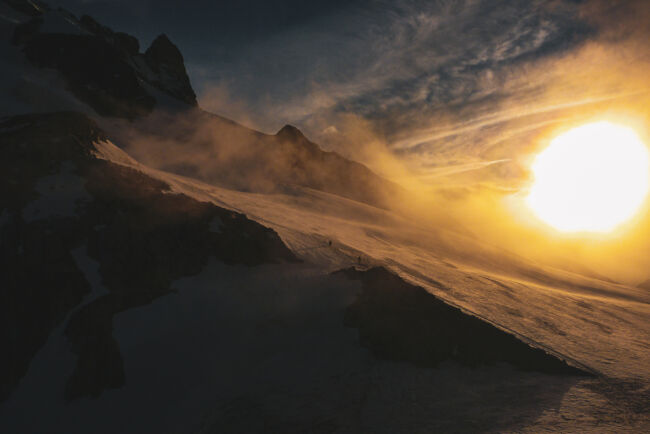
(442,87)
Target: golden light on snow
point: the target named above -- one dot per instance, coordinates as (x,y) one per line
(591,178)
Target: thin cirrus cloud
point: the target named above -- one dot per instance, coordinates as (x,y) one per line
(390,56)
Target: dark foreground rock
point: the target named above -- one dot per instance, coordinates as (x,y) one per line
(402,322)
(57,197)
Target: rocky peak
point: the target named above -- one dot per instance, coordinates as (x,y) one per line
(289,132)
(102,68)
(163,52)
(166,60)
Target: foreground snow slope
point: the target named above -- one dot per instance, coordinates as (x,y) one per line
(228,346)
(593,323)
(596,323)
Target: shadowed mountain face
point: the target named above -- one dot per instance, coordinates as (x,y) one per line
(402,322)
(102,68)
(164,127)
(62,207)
(104,81)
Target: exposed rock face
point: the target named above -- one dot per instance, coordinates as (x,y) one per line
(645,285)
(123,41)
(167,61)
(101,67)
(142,236)
(402,322)
(104,80)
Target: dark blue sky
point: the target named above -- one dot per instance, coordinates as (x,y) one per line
(202,27)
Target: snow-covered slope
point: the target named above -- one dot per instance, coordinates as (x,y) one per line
(56,197)
(229,348)
(596,322)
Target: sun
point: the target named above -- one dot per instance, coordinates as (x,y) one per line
(591,178)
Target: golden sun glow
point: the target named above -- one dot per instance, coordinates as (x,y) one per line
(591,178)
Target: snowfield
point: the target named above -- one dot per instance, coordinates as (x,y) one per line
(264,349)
(599,324)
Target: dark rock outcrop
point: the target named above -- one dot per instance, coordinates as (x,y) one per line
(103,68)
(402,322)
(122,41)
(142,236)
(166,60)
(95,71)
(289,132)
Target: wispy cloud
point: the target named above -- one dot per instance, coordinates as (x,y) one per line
(433,83)
(389,56)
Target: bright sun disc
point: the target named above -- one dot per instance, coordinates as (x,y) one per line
(591,178)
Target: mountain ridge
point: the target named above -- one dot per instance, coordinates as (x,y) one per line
(149,95)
